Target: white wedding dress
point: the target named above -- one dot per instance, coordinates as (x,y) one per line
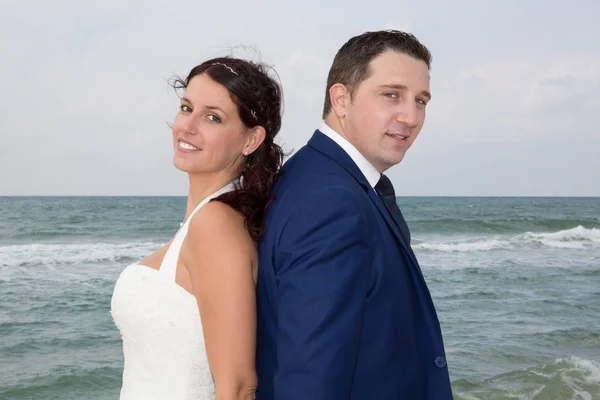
(163,342)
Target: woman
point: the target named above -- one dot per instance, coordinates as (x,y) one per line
(187,312)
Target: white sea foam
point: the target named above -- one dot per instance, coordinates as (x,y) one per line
(592,368)
(72,253)
(482,244)
(572,374)
(576,372)
(583,395)
(575,238)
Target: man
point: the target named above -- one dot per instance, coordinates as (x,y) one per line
(344,311)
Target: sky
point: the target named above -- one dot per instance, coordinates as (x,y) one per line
(85,105)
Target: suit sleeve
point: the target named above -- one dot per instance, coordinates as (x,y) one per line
(323,277)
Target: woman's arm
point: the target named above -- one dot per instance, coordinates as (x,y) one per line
(220,260)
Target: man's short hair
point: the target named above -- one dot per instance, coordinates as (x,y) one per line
(351,63)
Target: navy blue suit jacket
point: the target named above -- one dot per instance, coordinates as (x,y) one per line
(343,309)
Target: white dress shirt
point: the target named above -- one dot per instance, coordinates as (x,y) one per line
(361,162)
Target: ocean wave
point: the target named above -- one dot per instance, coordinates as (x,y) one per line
(568,378)
(574,238)
(26,255)
(73,253)
(467,246)
(490,225)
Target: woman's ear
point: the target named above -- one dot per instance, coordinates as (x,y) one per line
(256,136)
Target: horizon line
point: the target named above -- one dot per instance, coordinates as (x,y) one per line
(405,196)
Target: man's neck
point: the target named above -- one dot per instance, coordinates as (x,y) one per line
(368,170)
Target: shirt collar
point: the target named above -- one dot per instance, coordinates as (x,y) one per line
(361,162)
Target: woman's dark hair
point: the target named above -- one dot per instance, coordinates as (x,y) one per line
(258,98)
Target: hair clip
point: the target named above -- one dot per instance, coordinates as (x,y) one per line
(253,114)
(226,66)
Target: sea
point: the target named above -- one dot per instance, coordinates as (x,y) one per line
(515,281)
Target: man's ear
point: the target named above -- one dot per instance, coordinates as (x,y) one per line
(340,98)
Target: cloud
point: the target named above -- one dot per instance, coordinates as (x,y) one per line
(85,103)
(519,99)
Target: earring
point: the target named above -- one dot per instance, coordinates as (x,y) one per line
(245,153)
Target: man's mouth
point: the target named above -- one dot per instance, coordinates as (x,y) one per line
(398,137)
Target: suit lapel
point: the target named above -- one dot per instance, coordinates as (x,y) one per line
(325,145)
(321,143)
(378,202)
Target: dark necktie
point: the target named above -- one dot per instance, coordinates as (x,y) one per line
(386,190)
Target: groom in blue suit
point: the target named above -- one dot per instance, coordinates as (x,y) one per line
(343,309)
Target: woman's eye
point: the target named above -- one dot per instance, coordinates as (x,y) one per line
(391,95)
(185,108)
(213,118)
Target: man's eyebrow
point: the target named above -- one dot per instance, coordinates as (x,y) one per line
(424,93)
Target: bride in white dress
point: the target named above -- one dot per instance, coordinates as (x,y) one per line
(186,313)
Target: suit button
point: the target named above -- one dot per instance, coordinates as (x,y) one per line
(440,362)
